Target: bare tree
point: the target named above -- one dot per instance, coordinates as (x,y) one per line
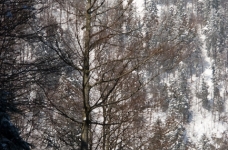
(101,93)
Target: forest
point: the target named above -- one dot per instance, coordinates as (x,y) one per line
(113,74)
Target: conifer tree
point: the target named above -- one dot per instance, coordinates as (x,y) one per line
(205,143)
(204,96)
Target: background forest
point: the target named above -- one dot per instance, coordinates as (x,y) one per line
(113,75)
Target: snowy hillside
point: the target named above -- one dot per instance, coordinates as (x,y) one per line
(114,75)
(203,73)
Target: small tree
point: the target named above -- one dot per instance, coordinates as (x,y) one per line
(204,93)
(205,143)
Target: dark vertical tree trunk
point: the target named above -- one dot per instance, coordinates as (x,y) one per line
(86,86)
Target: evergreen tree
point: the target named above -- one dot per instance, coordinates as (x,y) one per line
(156,142)
(203,95)
(180,135)
(179,104)
(170,135)
(179,107)
(205,143)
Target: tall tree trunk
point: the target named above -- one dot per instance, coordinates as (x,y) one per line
(106,128)
(86,86)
